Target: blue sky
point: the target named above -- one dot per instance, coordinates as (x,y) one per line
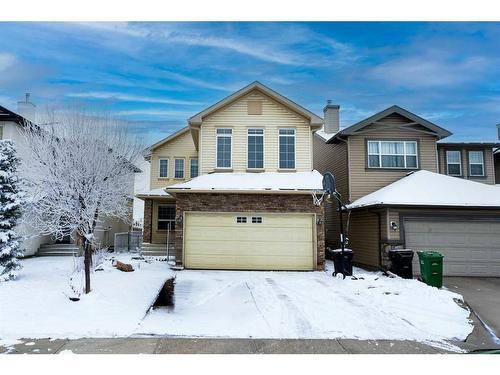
(158,74)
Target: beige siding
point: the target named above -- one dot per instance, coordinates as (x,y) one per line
(488,163)
(364,238)
(364,181)
(332,158)
(273,117)
(179,147)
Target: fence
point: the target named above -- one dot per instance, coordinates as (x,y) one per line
(128,241)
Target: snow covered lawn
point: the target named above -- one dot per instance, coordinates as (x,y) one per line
(228,304)
(36,304)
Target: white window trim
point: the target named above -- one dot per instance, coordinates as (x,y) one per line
(482,164)
(404,154)
(190,162)
(294,151)
(159,167)
(263,148)
(454,163)
(216,143)
(183,168)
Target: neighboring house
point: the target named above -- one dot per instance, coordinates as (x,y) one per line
(11,125)
(371,160)
(251,205)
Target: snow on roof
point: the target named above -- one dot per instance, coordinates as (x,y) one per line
(424,188)
(265,181)
(325,136)
(153,193)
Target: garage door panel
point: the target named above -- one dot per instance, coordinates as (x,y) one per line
(246,234)
(279,242)
(470,248)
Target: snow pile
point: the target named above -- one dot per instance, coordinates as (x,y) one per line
(266,181)
(281,305)
(325,136)
(424,188)
(36,305)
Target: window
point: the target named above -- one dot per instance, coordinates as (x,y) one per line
(256,219)
(1,131)
(476,163)
(193,168)
(179,168)
(255,148)
(166,217)
(392,154)
(287,148)
(224,140)
(241,220)
(163,168)
(454,163)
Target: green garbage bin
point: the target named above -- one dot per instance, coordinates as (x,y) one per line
(431,267)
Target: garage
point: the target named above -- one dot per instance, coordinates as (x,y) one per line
(249,241)
(470,248)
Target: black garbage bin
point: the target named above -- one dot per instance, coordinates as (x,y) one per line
(336,255)
(401,260)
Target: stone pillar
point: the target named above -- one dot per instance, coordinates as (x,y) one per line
(148,221)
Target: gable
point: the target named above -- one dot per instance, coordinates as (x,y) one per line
(394,118)
(313,119)
(256,109)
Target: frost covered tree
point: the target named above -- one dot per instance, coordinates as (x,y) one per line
(11,199)
(78,169)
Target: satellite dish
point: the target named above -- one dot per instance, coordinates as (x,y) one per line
(329,186)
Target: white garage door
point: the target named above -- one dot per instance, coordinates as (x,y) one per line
(247,241)
(470,248)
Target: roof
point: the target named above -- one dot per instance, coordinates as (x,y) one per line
(314,119)
(325,136)
(470,143)
(8,115)
(424,188)
(161,193)
(439,131)
(266,182)
(167,139)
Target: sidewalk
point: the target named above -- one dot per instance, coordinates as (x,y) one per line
(219,346)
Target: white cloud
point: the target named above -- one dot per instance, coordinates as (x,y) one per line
(6,61)
(130,98)
(424,71)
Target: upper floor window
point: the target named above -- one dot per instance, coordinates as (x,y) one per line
(163,168)
(287,148)
(392,154)
(476,163)
(255,148)
(224,148)
(454,163)
(193,168)
(1,131)
(179,168)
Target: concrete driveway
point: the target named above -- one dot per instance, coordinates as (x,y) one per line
(482,294)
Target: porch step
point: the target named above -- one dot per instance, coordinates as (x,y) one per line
(58,249)
(153,249)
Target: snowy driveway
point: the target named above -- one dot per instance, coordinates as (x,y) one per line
(307,305)
(232,304)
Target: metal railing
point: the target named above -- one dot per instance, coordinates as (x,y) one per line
(128,241)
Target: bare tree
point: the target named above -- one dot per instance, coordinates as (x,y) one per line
(78,169)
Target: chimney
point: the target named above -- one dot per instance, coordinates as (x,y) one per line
(26,108)
(331,117)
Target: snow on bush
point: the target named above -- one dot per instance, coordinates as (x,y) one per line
(11,199)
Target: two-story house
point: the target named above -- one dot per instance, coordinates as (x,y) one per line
(409,188)
(234,187)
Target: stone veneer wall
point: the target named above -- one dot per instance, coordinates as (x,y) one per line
(213,202)
(148,220)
